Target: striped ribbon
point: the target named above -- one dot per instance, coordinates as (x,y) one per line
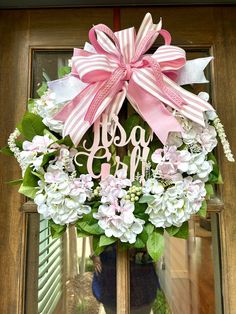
(119,68)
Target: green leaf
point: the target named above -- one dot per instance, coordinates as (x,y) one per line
(155,245)
(42,89)
(139,211)
(39,175)
(131,122)
(172,230)
(91,229)
(29,178)
(65,141)
(149,228)
(146,199)
(6,151)
(82,234)
(31,104)
(136,183)
(47,157)
(50,135)
(219,179)
(96,248)
(203,210)
(104,240)
(209,189)
(215,175)
(28,191)
(56,230)
(29,184)
(97,163)
(139,244)
(32,125)
(143,236)
(126,160)
(183,231)
(62,71)
(15,182)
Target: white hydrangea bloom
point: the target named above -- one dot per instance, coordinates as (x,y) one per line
(61,197)
(175,139)
(117,219)
(153,186)
(31,150)
(47,108)
(175,205)
(65,159)
(200,166)
(207,139)
(113,187)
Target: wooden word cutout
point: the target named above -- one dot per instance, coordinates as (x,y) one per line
(109,134)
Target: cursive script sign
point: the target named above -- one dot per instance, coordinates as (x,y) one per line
(110,134)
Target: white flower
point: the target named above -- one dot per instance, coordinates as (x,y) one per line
(54,125)
(83,183)
(65,158)
(175,139)
(117,219)
(61,198)
(55,175)
(207,138)
(39,144)
(47,108)
(190,133)
(157,156)
(175,205)
(179,158)
(200,166)
(32,153)
(153,186)
(113,187)
(211,115)
(203,95)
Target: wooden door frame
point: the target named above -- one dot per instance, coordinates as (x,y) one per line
(21,30)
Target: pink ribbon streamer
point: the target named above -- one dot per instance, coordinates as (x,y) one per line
(120,59)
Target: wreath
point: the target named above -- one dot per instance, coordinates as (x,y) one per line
(69,141)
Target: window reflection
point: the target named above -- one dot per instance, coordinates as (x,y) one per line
(187,271)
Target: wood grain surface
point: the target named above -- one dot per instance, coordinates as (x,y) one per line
(23,30)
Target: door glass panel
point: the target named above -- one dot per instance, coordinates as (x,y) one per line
(66,280)
(186,279)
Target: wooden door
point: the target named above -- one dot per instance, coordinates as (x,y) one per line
(210,29)
(207,29)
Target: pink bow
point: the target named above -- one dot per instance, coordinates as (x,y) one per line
(120,68)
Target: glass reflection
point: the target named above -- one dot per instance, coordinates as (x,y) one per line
(188,270)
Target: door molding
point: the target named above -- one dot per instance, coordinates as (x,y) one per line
(24,4)
(22,29)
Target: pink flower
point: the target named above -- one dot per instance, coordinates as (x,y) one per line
(166,170)
(180,158)
(157,156)
(114,187)
(39,144)
(55,175)
(207,139)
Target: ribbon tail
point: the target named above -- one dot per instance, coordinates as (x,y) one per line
(153,112)
(76,125)
(193,72)
(66,88)
(66,111)
(117,103)
(193,106)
